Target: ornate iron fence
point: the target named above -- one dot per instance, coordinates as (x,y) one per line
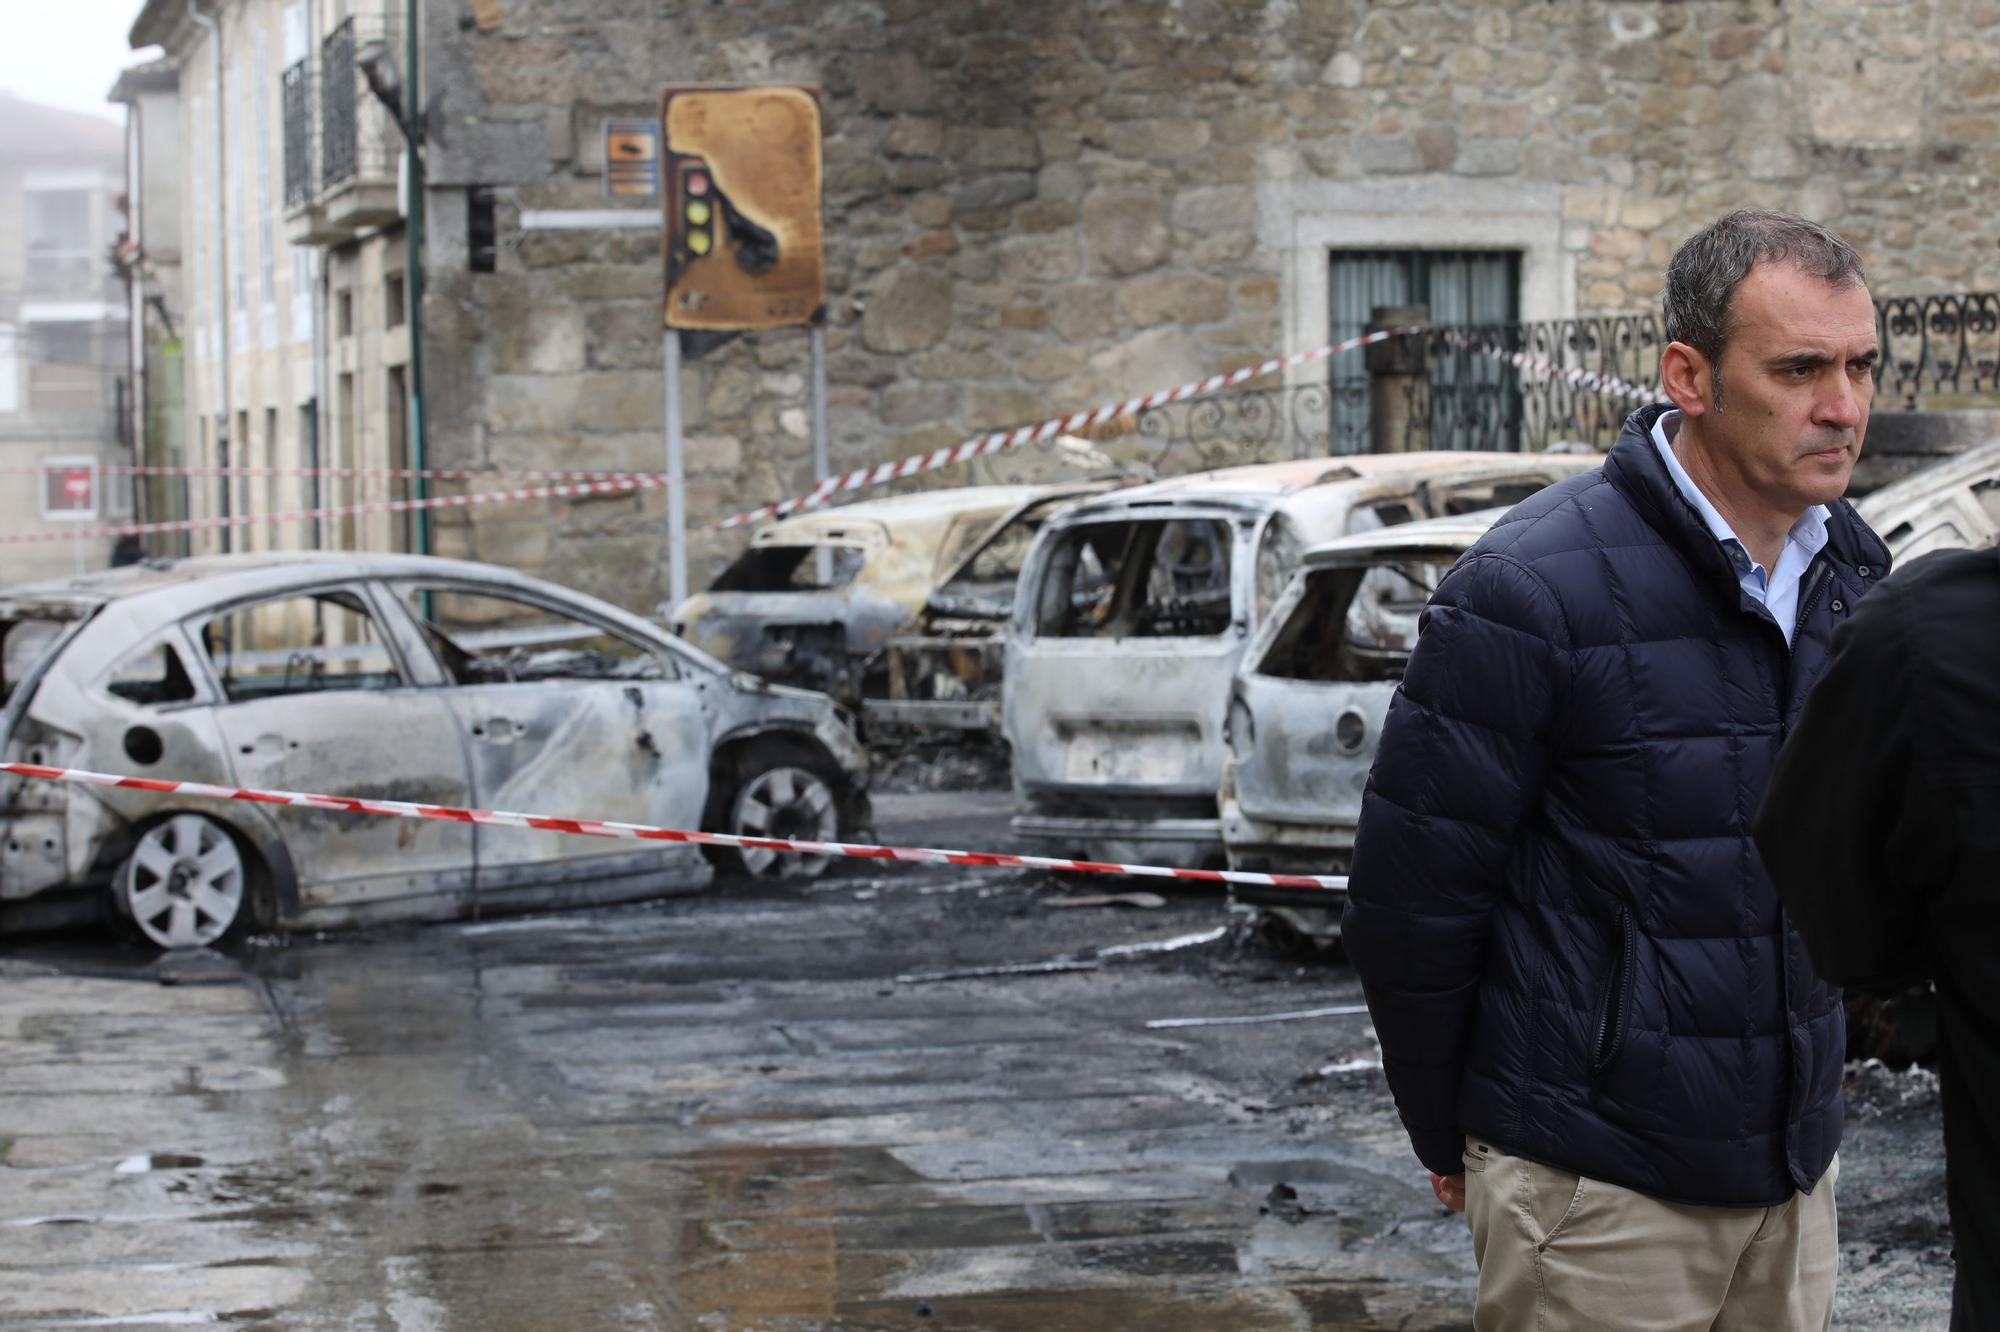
(1937,349)
(1938,352)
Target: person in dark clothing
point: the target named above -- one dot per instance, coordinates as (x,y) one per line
(1881,830)
(1603,1037)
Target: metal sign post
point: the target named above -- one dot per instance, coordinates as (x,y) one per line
(677,577)
(822,556)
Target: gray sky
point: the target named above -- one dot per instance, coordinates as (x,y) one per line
(67,52)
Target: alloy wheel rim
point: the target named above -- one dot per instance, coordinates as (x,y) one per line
(184,885)
(791,803)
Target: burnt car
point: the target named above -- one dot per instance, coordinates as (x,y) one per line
(1308,704)
(392,677)
(1135,609)
(941,676)
(818,594)
(1950,505)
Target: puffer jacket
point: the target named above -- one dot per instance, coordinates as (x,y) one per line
(1567,939)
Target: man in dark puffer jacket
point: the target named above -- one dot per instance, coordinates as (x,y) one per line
(1604,1038)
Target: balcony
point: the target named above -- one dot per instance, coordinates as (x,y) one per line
(341,147)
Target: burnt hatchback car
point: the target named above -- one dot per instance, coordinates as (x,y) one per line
(1308,704)
(392,677)
(1135,609)
(818,594)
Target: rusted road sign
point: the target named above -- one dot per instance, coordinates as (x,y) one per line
(744,246)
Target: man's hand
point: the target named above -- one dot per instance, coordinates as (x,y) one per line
(1450,1190)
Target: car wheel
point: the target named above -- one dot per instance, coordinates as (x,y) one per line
(778,790)
(184,885)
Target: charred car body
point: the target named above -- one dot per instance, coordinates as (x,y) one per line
(1307,707)
(818,595)
(1135,610)
(395,677)
(941,676)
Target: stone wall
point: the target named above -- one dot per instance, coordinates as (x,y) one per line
(1038,204)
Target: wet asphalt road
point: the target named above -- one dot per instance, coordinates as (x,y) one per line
(732,1111)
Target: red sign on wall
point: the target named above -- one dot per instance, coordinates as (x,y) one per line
(69,488)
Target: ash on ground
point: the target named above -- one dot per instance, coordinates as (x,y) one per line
(958,765)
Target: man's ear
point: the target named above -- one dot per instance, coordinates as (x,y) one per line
(1686,376)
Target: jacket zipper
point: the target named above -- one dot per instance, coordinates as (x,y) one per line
(1617,1000)
(1811,599)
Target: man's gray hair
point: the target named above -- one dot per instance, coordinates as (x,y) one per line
(1708,267)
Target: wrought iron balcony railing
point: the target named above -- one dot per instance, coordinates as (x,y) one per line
(301,132)
(360,143)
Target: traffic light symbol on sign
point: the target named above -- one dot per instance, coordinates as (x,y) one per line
(743,236)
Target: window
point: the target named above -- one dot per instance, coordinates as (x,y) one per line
(1355,625)
(343,312)
(151,677)
(985,586)
(59,231)
(299,645)
(67,372)
(1472,402)
(487,638)
(394,301)
(789,569)
(481,230)
(1159,578)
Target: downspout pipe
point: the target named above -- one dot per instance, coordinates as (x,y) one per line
(214,30)
(413,264)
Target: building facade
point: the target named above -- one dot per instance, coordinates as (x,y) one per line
(149,259)
(296,338)
(1037,205)
(62,337)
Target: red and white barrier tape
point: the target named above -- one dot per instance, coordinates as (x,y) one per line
(400,809)
(1550,370)
(354,473)
(635,481)
(981,446)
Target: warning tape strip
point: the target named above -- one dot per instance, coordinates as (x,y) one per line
(610,482)
(355,473)
(635,481)
(981,446)
(401,809)
(1548,369)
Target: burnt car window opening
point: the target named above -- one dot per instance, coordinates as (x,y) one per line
(789,569)
(1354,625)
(485,638)
(151,677)
(1158,578)
(985,586)
(23,643)
(298,645)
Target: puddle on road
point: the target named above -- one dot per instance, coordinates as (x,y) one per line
(780,1239)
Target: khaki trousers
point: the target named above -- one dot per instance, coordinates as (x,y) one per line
(1558,1252)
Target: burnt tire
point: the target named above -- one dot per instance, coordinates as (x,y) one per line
(188,883)
(774,788)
